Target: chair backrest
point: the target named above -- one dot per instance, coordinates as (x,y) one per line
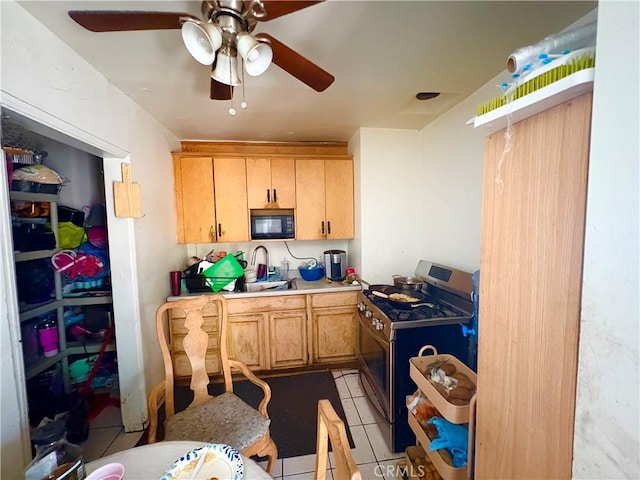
(195,346)
(331,429)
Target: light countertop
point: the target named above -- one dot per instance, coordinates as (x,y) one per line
(302,287)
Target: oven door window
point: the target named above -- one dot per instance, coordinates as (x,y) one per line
(374,355)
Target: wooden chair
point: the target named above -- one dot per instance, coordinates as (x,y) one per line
(331,429)
(222,419)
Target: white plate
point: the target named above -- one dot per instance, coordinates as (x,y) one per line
(221,461)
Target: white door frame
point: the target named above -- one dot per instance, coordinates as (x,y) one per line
(126,304)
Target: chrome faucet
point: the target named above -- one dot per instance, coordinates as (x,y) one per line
(266,255)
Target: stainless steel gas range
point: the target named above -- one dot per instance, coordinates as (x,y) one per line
(389,336)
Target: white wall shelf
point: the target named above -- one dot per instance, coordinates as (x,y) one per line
(35,255)
(84,301)
(547,97)
(43,364)
(77,348)
(32,311)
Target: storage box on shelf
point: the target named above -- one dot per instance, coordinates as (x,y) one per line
(462,413)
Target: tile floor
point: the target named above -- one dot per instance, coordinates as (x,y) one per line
(370,453)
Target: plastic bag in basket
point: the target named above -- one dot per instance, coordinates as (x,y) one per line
(37,174)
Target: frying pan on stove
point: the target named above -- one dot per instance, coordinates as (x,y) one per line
(403,305)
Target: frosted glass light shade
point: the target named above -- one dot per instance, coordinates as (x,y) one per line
(257,55)
(226,69)
(202,40)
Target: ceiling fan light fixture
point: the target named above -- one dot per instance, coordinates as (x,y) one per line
(202,40)
(257,55)
(226,69)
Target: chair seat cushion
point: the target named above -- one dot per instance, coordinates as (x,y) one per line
(223,419)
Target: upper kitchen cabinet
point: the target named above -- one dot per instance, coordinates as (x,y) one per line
(195,207)
(217,183)
(324,199)
(232,214)
(211,199)
(271,183)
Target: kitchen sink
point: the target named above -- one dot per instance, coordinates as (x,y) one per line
(270,286)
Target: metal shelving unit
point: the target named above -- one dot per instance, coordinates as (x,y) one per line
(57,304)
(29,312)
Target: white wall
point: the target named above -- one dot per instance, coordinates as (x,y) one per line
(452,154)
(448,169)
(426,185)
(391,227)
(277,250)
(46,80)
(607,427)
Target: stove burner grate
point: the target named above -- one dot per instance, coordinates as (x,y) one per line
(439,310)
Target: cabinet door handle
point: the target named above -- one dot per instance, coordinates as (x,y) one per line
(323,228)
(268,196)
(275,198)
(328,227)
(219,230)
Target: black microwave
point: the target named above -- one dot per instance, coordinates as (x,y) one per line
(272,224)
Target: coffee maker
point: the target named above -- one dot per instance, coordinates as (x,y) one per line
(335,265)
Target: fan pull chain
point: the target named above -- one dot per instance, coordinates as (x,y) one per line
(243,104)
(232,111)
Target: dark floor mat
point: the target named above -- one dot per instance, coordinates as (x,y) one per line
(293,408)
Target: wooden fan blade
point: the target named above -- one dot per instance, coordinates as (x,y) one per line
(220,91)
(277,8)
(120,21)
(298,66)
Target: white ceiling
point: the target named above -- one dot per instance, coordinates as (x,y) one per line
(381,53)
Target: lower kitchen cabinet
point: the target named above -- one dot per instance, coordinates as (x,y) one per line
(333,320)
(276,332)
(268,333)
(246,340)
(288,339)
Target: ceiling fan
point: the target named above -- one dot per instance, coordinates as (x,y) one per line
(222,39)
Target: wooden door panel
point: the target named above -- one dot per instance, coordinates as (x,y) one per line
(310,194)
(258,182)
(195,206)
(288,339)
(232,214)
(245,340)
(334,334)
(339,198)
(283,182)
(534,197)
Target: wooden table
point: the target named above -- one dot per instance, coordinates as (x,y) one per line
(153,460)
